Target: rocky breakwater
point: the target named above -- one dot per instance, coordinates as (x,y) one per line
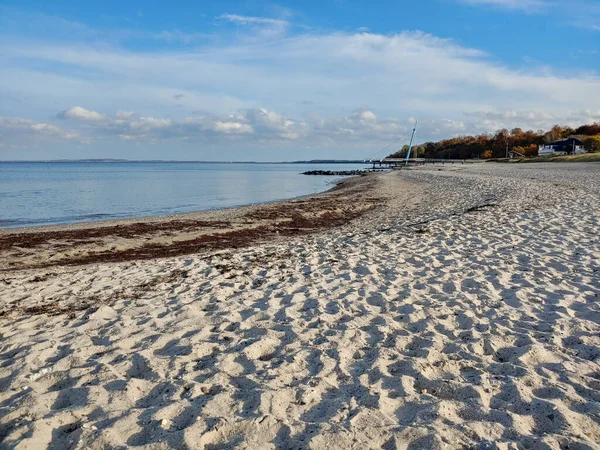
(335,172)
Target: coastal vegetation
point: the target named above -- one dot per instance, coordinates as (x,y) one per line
(588,157)
(488,146)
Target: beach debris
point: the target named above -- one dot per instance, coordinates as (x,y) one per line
(335,172)
(211,390)
(41,373)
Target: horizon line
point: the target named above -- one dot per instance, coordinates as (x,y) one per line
(114,160)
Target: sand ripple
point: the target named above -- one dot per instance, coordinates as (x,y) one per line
(466,319)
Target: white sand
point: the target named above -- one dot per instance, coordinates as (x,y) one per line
(464,315)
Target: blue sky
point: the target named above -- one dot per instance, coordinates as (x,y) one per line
(257,80)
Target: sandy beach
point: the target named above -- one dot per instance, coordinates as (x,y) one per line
(441,307)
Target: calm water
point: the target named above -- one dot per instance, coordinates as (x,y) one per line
(51,193)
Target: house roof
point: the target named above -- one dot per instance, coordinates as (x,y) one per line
(568,141)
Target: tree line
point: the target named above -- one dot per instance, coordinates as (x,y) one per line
(486,146)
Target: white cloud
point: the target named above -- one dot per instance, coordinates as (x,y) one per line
(255,90)
(124,115)
(577,13)
(15,130)
(262,27)
(361,133)
(366,115)
(528,5)
(487,121)
(149,124)
(257,125)
(584,14)
(245,20)
(79,113)
(398,73)
(231,127)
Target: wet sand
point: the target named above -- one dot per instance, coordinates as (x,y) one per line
(159,237)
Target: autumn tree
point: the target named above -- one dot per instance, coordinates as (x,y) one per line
(592,144)
(494,145)
(589,130)
(554,134)
(528,151)
(500,142)
(516,133)
(566,132)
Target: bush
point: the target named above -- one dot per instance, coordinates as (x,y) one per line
(592,144)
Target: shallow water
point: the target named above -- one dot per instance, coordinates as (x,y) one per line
(41,193)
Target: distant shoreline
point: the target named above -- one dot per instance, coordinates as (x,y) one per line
(317,161)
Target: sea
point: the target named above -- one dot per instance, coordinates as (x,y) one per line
(45,193)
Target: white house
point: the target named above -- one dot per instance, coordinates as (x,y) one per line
(570,146)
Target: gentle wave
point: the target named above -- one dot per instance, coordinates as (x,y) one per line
(55,193)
